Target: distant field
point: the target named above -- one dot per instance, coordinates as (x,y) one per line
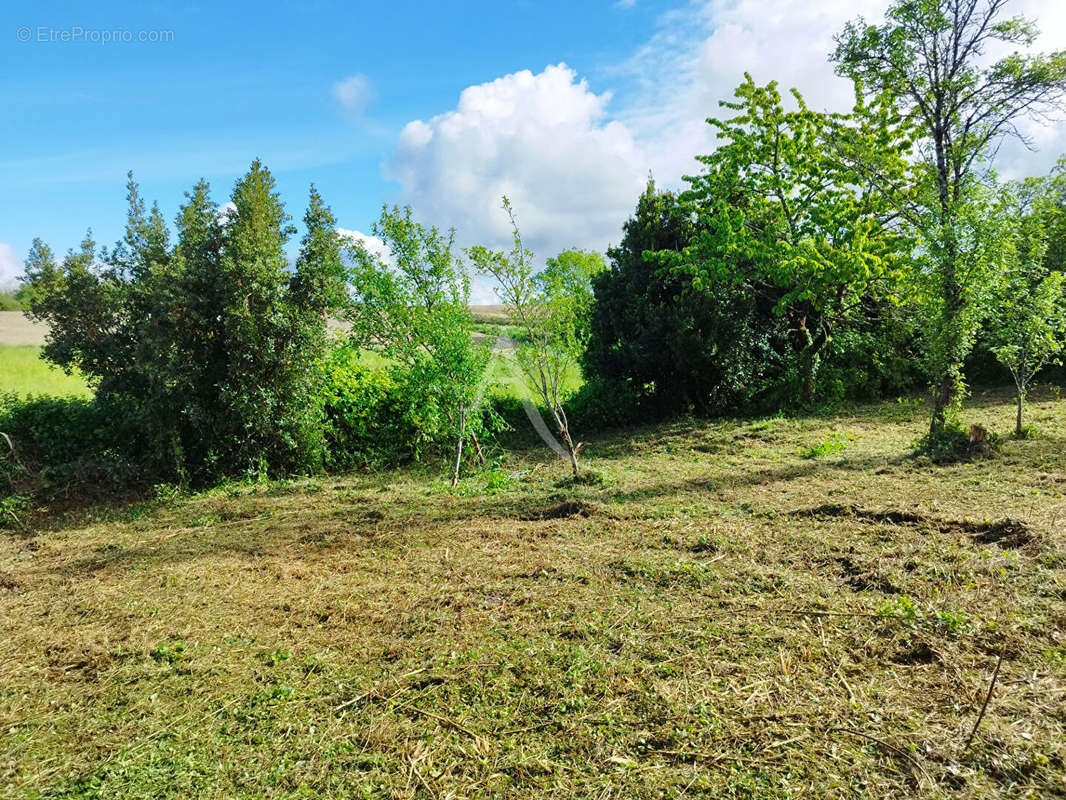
(23,372)
(15,328)
(493,315)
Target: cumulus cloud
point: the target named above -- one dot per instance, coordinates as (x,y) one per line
(699,54)
(545,141)
(354,93)
(372,244)
(573,161)
(10,267)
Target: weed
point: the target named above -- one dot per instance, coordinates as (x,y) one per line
(834,444)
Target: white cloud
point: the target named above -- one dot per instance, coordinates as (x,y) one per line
(700,54)
(10,267)
(226,212)
(372,244)
(543,140)
(573,162)
(354,93)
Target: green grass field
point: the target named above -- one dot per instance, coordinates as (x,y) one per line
(23,372)
(733,610)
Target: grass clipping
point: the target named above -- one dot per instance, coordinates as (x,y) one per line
(720,616)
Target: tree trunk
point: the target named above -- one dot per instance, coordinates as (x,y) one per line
(809,364)
(1018,421)
(807,368)
(954,302)
(945,396)
(459,448)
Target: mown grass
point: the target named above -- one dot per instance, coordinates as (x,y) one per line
(23,372)
(731,611)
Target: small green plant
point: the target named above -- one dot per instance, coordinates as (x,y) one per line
(166,494)
(834,444)
(170,652)
(907,611)
(496,480)
(1026,432)
(277,656)
(12,508)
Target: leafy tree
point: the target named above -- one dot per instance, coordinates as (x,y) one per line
(1027,330)
(414,308)
(1051,209)
(213,340)
(674,348)
(780,211)
(551,308)
(929,58)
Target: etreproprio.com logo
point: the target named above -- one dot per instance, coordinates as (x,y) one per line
(77,34)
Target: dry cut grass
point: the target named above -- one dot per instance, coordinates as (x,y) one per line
(723,615)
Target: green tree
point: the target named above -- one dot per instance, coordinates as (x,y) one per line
(779,210)
(1027,329)
(414,308)
(929,57)
(671,348)
(214,341)
(552,309)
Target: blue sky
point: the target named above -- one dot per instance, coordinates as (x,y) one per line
(241,80)
(565,106)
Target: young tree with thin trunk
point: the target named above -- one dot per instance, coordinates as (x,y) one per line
(552,309)
(413,307)
(1027,328)
(930,56)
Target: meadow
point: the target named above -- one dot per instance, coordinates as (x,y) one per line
(770,608)
(23,372)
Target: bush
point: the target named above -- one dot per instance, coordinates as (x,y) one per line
(368,415)
(213,340)
(69,444)
(955,442)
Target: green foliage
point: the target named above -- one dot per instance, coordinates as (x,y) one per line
(672,348)
(552,310)
(782,214)
(213,341)
(952,443)
(837,443)
(415,311)
(369,417)
(59,444)
(929,60)
(9,301)
(1027,328)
